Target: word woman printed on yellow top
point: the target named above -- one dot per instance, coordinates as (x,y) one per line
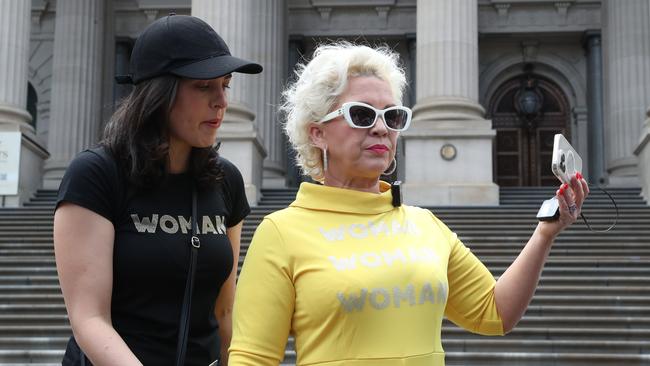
(357,282)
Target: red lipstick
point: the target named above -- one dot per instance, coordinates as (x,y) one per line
(378,148)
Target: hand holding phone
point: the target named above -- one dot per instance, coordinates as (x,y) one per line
(565,163)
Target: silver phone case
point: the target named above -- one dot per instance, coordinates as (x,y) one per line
(566,162)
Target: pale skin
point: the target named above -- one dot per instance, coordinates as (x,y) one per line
(86,271)
(352,165)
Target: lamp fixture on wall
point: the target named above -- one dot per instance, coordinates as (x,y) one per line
(529,98)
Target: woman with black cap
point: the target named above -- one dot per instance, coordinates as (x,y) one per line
(147,226)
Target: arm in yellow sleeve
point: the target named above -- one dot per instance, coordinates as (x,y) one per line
(471,302)
(264,301)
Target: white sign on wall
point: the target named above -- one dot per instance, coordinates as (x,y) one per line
(9,162)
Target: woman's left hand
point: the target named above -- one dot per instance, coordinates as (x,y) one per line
(570,197)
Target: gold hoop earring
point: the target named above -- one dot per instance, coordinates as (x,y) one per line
(390,170)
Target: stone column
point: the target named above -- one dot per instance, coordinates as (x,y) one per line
(580,133)
(15,21)
(642,151)
(122,53)
(595,157)
(449,146)
(15,17)
(242,143)
(269,44)
(295,54)
(77,77)
(627,84)
(412,66)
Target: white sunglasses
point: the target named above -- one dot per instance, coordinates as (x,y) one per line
(361,115)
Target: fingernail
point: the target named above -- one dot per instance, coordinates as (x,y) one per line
(564,187)
(578,175)
(560,191)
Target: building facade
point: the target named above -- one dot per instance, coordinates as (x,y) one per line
(490,83)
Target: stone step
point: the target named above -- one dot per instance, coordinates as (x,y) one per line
(31,357)
(29,288)
(492,358)
(27,270)
(563,238)
(53,308)
(528,321)
(33,343)
(22,246)
(485,210)
(511,204)
(470,236)
(563,352)
(489,344)
(26,252)
(559,247)
(22,239)
(29,280)
(593,294)
(564,300)
(35,331)
(543,359)
(530,333)
(33,319)
(603,281)
(501,224)
(586,289)
(42,205)
(449,332)
(592,310)
(558,252)
(592,264)
(260,211)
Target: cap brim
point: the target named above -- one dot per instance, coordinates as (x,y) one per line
(214,67)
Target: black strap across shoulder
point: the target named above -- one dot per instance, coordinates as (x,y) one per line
(184,326)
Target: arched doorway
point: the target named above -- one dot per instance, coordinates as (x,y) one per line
(526,112)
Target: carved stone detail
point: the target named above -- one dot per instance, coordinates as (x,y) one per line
(152,14)
(325,13)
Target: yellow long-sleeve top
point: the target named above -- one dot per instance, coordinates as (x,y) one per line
(357,282)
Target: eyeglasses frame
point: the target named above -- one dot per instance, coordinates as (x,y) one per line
(345,112)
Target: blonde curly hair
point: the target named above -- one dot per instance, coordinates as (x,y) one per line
(320,82)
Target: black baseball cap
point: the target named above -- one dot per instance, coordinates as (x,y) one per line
(184,46)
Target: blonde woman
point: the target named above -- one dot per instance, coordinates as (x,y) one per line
(358,278)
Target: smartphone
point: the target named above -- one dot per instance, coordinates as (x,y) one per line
(566,162)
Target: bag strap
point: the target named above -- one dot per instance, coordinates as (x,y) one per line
(184,326)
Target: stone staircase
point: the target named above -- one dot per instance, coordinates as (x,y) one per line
(592,306)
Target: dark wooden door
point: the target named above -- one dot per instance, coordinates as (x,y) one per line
(524,143)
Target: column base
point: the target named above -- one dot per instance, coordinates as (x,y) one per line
(624,172)
(643,153)
(52,178)
(427,195)
(30,171)
(15,119)
(449,164)
(274,175)
(242,145)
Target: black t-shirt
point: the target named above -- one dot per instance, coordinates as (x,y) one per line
(151,252)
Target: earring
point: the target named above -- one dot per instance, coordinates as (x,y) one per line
(390,170)
(325,159)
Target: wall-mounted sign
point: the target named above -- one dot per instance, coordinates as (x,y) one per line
(9,162)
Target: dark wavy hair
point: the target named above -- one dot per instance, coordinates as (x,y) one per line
(137,135)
